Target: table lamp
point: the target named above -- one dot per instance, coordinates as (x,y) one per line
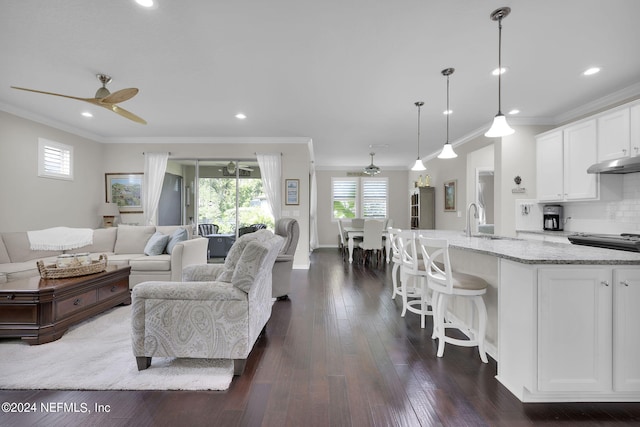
(109,211)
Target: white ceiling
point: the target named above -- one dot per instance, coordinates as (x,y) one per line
(345,73)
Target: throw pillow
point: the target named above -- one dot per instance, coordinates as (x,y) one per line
(236,251)
(156,244)
(180,235)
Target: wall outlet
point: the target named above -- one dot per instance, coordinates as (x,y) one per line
(459,214)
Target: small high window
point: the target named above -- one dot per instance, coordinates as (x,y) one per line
(55,160)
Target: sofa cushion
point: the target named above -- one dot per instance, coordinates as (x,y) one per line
(19,248)
(21,270)
(180,235)
(104,241)
(151,263)
(236,252)
(132,239)
(156,244)
(4,255)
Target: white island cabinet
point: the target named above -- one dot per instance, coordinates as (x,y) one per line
(580,333)
(563,320)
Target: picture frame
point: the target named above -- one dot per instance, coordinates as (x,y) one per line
(292,191)
(450,195)
(125,189)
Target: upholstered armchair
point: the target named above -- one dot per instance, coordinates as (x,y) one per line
(290,230)
(217,312)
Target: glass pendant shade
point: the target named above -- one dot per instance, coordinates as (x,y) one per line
(447,152)
(418,166)
(499,128)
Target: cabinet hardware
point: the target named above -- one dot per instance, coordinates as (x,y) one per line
(605,282)
(624,282)
(114,288)
(77,301)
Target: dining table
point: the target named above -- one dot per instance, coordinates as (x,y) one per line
(354,232)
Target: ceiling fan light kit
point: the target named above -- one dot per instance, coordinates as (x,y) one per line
(499,127)
(447,150)
(372,169)
(103,98)
(418,166)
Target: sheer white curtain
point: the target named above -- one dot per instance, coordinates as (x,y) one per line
(313,211)
(271,172)
(155,165)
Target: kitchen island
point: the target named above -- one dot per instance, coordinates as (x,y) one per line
(564,323)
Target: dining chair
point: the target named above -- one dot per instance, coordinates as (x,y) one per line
(413,270)
(357,222)
(372,239)
(445,283)
(342,244)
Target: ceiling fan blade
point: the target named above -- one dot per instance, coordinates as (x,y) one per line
(51,93)
(120,96)
(124,113)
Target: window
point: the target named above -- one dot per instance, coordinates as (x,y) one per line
(55,160)
(359,197)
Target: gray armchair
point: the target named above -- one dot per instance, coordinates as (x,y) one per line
(290,230)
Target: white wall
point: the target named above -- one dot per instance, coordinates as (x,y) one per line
(398,202)
(29,202)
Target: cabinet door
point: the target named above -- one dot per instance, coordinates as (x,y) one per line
(549,167)
(634,124)
(613,135)
(580,152)
(574,329)
(626,329)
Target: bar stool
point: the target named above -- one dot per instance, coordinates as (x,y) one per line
(446,283)
(396,258)
(413,269)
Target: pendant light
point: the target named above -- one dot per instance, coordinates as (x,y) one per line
(447,151)
(372,169)
(500,127)
(418,166)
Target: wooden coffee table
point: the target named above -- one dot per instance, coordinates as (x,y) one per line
(41,310)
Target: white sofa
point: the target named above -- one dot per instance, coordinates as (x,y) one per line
(124,245)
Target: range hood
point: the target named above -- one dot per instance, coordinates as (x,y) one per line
(624,165)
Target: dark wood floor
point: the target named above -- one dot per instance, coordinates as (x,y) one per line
(336,354)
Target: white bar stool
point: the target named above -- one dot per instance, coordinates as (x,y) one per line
(413,269)
(445,283)
(396,258)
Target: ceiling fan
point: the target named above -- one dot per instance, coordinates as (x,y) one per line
(103,98)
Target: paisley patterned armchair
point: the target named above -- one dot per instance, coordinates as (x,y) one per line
(218,310)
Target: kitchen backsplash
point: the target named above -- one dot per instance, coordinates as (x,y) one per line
(610,217)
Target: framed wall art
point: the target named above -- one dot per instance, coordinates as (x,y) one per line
(292,187)
(125,189)
(450,195)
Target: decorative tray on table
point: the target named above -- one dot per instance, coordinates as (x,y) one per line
(75,269)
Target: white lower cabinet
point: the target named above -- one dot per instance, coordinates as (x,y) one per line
(569,333)
(626,329)
(574,329)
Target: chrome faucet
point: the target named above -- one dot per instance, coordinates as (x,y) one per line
(468,230)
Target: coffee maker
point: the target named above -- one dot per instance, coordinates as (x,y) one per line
(552,217)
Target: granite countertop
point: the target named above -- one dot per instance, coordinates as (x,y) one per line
(534,252)
(562,233)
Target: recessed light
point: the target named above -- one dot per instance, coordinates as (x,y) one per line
(87,114)
(502,71)
(514,111)
(240,116)
(447,112)
(591,71)
(145,3)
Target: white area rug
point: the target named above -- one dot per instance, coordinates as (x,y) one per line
(97,355)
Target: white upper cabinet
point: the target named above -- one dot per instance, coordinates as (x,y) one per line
(549,165)
(562,160)
(634,122)
(614,135)
(580,152)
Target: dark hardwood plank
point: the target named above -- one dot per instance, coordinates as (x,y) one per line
(337,353)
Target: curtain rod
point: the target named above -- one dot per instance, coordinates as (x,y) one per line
(169,153)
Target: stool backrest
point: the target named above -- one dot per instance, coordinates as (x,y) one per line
(407,246)
(392,235)
(437,261)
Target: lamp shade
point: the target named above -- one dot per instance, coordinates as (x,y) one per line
(418,166)
(109,209)
(499,128)
(447,152)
